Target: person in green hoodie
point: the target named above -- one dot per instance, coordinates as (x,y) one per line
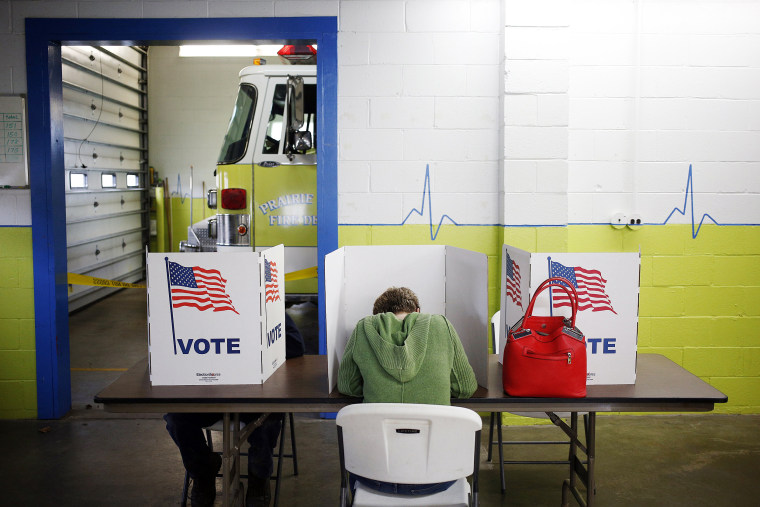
(399,355)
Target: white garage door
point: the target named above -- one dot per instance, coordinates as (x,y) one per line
(105,136)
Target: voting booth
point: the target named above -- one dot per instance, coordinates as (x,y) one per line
(608,312)
(448,281)
(216,318)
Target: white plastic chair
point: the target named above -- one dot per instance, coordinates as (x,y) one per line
(409,444)
(495,420)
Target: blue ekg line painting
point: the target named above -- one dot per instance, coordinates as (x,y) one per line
(421,211)
(689,196)
(182,195)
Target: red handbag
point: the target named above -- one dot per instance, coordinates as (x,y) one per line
(545,356)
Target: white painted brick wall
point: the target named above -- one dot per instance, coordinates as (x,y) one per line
(353,177)
(553,110)
(473,48)
(537,76)
(397,176)
(536,209)
(353,112)
(486,16)
(240,8)
(372,16)
(371,208)
(520,176)
(402,112)
(400,48)
(175,9)
(535,143)
(370,144)
(579,80)
(369,81)
(467,112)
(114,10)
(601,113)
(483,80)
(15,207)
(536,110)
(353,48)
(436,80)
(469,177)
(285,8)
(608,81)
(461,207)
(438,16)
(521,110)
(538,13)
(536,43)
(690,87)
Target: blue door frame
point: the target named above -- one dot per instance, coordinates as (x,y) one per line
(44,38)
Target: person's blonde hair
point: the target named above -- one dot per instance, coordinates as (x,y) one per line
(396,300)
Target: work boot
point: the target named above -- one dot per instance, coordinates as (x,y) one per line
(258,494)
(204,485)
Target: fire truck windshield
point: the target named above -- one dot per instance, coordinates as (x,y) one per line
(239,129)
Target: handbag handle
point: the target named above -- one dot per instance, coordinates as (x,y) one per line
(561,283)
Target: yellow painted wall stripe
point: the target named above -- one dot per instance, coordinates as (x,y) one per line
(77,279)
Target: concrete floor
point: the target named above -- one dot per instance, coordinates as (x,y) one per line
(93,458)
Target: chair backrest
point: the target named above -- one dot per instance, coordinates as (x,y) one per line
(409,443)
(496,332)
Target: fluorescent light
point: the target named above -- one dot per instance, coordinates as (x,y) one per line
(228,50)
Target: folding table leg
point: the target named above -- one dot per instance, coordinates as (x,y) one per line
(579,472)
(591,455)
(501,454)
(226,459)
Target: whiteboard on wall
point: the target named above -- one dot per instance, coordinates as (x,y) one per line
(14,170)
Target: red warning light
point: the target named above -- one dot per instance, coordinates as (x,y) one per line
(233,198)
(297,52)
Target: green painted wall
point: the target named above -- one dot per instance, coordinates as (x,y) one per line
(699,302)
(700,298)
(18,372)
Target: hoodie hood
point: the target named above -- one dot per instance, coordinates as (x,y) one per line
(399,345)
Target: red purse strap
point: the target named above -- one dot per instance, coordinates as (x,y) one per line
(561,283)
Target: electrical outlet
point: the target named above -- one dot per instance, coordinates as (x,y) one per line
(618,220)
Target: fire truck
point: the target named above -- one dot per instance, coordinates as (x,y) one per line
(266,174)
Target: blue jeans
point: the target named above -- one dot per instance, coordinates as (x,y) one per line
(399,488)
(187,432)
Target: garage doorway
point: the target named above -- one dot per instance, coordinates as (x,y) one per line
(44,38)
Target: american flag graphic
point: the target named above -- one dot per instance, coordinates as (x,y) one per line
(196,287)
(589,284)
(271,286)
(513,281)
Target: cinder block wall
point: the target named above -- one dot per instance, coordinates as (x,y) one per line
(658,104)
(538,121)
(18,379)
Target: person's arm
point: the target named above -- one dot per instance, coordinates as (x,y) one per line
(463,382)
(350,380)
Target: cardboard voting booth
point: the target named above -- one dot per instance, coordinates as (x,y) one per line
(608,312)
(448,281)
(216,318)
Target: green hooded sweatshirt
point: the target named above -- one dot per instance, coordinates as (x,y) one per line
(416,360)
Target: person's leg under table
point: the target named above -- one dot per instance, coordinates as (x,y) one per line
(202,465)
(262,442)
